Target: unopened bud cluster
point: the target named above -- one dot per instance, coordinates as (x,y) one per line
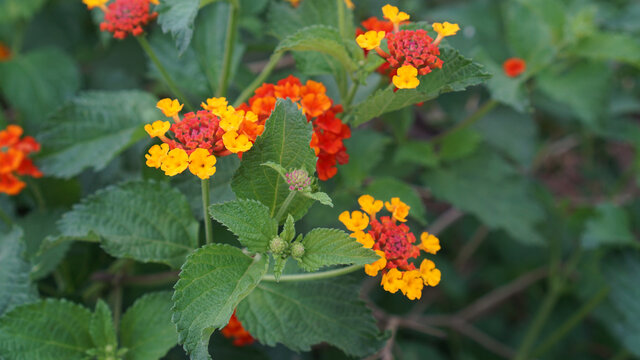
(281,248)
(298,180)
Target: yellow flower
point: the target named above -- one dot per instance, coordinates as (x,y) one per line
(202,163)
(398,209)
(157,128)
(156,155)
(429,243)
(175,162)
(392,14)
(445,29)
(392,281)
(349,4)
(216,105)
(250,116)
(370,40)
(170,108)
(357,221)
(363,238)
(412,284)
(95,3)
(370,205)
(373,268)
(154,2)
(231,119)
(407,77)
(430,275)
(236,143)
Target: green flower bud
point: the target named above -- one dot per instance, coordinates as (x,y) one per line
(297,250)
(277,246)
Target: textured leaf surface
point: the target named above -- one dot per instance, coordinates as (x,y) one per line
(146,329)
(249,220)
(302,314)
(37,226)
(101,327)
(456,74)
(213,280)
(145,221)
(177,17)
(15,284)
(46,330)
(610,226)
(92,129)
(326,247)
(285,141)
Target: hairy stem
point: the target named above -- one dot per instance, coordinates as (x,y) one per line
(285,205)
(229,41)
(314,276)
(266,71)
(205,211)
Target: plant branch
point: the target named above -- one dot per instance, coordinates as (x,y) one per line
(229,43)
(266,71)
(285,205)
(315,275)
(445,220)
(208,231)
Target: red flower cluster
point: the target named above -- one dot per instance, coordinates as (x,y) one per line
(415,48)
(124,17)
(328,130)
(235,330)
(14,161)
(199,130)
(396,241)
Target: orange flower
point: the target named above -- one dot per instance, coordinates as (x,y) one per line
(235,330)
(10,184)
(514,66)
(5,52)
(14,161)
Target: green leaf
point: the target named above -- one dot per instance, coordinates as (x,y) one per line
(507,90)
(489,188)
(285,141)
(301,314)
(213,280)
(12,10)
(602,45)
(319,38)
(289,229)
(146,330)
(282,171)
(47,330)
(459,144)
(94,127)
(15,284)
(456,74)
(177,17)
(249,220)
(145,221)
(319,196)
(101,329)
(326,247)
(366,148)
(386,188)
(610,226)
(38,83)
(529,36)
(416,152)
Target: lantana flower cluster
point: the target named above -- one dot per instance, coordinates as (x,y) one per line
(123,17)
(234,330)
(328,130)
(411,52)
(14,161)
(199,137)
(393,241)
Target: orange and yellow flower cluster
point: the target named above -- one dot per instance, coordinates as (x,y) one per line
(391,239)
(123,17)
(14,161)
(328,130)
(234,330)
(198,137)
(411,52)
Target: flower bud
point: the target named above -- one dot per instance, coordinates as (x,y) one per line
(277,246)
(297,250)
(298,180)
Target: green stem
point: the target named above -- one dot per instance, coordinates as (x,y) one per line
(228,49)
(352,93)
(477,115)
(341,19)
(266,71)
(6,218)
(205,211)
(314,276)
(37,194)
(570,323)
(144,44)
(117,305)
(285,205)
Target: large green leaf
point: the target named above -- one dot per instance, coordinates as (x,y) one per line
(146,330)
(610,226)
(456,74)
(15,284)
(249,220)
(47,330)
(302,314)
(145,221)
(285,141)
(177,17)
(92,129)
(38,83)
(213,280)
(326,247)
(609,46)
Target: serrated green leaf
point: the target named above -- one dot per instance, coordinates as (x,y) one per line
(602,45)
(319,38)
(326,247)
(285,141)
(134,220)
(315,311)
(213,280)
(277,167)
(47,330)
(177,17)
(92,129)
(249,220)
(146,330)
(15,283)
(610,226)
(289,229)
(278,267)
(456,74)
(38,83)
(318,196)
(101,328)
(385,188)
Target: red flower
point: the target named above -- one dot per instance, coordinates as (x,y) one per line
(14,161)
(415,48)
(514,66)
(234,329)
(199,130)
(127,17)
